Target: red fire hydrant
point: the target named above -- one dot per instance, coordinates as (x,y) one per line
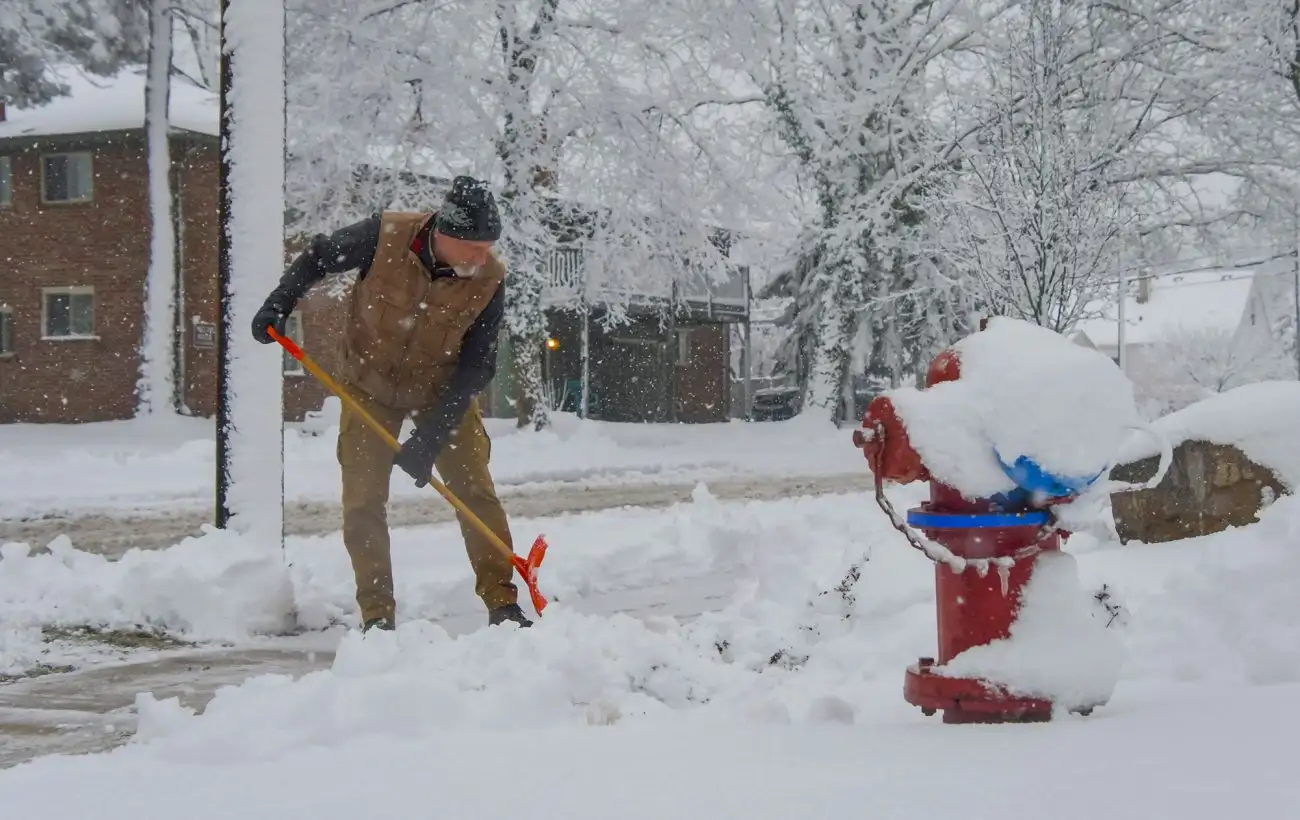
(985,556)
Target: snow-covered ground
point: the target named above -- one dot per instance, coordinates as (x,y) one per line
(593,713)
(695,661)
(160,464)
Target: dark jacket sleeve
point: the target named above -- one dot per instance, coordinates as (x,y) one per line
(474,370)
(351,247)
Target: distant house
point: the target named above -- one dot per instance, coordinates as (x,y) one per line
(1158,308)
(1272,311)
(667,358)
(74,237)
(1239,313)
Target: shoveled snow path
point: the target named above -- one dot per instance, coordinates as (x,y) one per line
(92,709)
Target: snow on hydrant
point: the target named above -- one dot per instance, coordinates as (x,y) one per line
(1014,422)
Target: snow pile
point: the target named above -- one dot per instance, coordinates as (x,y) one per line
(416,682)
(1225,609)
(223,587)
(217,586)
(1027,391)
(710,609)
(1258,419)
(1058,649)
(775,650)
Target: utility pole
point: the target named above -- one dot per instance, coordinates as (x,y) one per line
(1295,285)
(1123,299)
(250,256)
(1295,288)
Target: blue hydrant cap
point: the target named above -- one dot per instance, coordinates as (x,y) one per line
(1029,476)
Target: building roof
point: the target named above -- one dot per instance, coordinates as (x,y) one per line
(111,104)
(1213,300)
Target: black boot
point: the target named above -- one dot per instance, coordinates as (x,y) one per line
(509,612)
(377,623)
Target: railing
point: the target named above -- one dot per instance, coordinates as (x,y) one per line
(567,283)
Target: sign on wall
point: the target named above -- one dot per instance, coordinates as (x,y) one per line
(205,335)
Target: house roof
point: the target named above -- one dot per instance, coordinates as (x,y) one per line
(1213,300)
(113,103)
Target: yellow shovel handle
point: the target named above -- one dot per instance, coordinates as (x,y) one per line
(389,438)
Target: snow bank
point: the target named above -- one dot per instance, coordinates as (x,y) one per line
(1224,610)
(1059,648)
(218,586)
(773,652)
(223,587)
(770,698)
(1259,419)
(1024,390)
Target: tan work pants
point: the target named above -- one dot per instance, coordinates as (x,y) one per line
(367,465)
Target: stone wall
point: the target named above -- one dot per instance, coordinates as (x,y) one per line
(1209,487)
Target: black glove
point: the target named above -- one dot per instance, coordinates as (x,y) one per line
(275,313)
(418,454)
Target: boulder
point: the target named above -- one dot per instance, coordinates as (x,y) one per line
(1208,488)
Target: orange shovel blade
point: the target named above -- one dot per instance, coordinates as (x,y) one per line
(527,569)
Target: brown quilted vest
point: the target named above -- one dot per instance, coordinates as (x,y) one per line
(404,327)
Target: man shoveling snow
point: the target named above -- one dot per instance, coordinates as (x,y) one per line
(420,342)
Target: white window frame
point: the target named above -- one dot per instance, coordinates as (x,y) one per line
(90,181)
(293,332)
(6,182)
(683,347)
(77,290)
(6,342)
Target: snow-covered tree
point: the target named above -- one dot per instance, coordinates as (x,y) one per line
(1076,155)
(1192,363)
(98,36)
(198,29)
(846,84)
(1029,221)
(157,388)
(585,114)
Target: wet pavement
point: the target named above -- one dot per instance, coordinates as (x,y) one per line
(91,710)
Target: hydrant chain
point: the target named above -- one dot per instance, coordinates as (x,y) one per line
(937,552)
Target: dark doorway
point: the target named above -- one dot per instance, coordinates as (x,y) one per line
(633,382)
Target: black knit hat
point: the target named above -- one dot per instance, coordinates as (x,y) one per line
(469,211)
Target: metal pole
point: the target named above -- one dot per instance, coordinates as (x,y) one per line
(1123,299)
(224,328)
(747,352)
(1295,287)
(586,358)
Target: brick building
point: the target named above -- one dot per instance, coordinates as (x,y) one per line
(74,244)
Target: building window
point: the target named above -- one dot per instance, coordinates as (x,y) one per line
(67,177)
(68,313)
(6,182)
(683,348)
(6,331)
(293,332)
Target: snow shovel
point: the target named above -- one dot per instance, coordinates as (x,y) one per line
(526,567)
